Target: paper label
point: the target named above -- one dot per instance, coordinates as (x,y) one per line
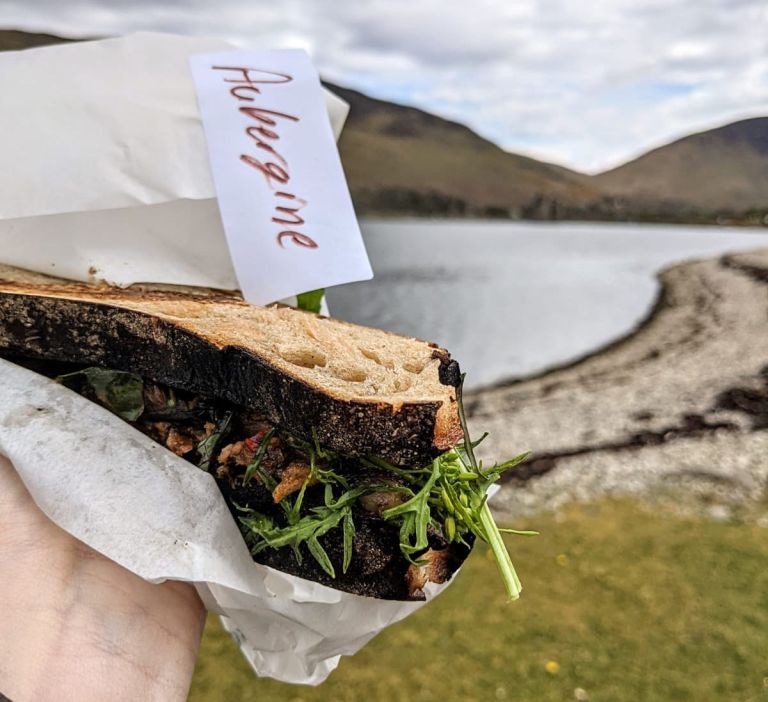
(282,194)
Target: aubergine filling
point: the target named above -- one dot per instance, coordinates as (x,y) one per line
(342,522)
(355,524)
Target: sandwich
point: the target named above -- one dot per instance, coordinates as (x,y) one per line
(342,451)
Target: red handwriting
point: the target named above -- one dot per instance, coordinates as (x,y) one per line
(290,216)
(297,238)
(263,135)
(270,171)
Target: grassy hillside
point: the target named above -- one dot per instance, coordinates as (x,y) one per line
(400,157)
(720,169)
(15,39)
(402,161)
(620,604)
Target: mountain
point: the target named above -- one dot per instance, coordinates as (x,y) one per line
(15,39)
(404,160)
(401,160)
(720,170)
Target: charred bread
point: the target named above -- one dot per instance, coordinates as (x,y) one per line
(359,390)
(273,381)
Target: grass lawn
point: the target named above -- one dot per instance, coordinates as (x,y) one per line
(620,603)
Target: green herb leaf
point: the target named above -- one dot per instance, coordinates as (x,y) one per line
(450,496)
(310,301)
(320,555)
(255,465)
(490,531)
(416,516)
(120,392)
(519,532)
(494,473)
(207,447)
(349,538)
(308,529)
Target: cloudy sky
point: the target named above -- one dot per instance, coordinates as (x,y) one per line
(584,83)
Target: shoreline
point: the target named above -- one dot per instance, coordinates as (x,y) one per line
(678,406)
(658,303)
(739,221)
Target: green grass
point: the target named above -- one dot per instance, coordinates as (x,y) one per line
(629,604)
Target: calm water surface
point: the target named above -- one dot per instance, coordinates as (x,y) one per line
(512,298)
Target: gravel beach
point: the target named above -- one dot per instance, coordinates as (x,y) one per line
(677,410)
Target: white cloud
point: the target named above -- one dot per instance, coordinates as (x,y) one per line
(586,84)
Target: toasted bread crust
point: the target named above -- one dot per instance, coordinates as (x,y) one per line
(160,334)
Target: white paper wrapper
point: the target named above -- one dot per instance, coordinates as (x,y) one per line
(163,519)
(110,180)
(110,177)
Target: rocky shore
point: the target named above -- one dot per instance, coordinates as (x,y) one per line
(677,410)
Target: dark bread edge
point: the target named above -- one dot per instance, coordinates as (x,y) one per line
(114,337)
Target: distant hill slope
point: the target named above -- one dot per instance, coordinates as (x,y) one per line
(401,160)
(720,169)
(404,160)
(15,39)
(399,157)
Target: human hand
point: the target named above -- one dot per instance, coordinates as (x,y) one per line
(77,626)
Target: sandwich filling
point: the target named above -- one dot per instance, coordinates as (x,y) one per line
(356,524)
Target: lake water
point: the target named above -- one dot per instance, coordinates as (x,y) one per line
(512,298)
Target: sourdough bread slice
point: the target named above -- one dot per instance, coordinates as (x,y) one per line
(362,390)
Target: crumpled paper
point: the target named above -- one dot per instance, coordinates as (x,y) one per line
(111,181)
(107,174)
(164,519)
